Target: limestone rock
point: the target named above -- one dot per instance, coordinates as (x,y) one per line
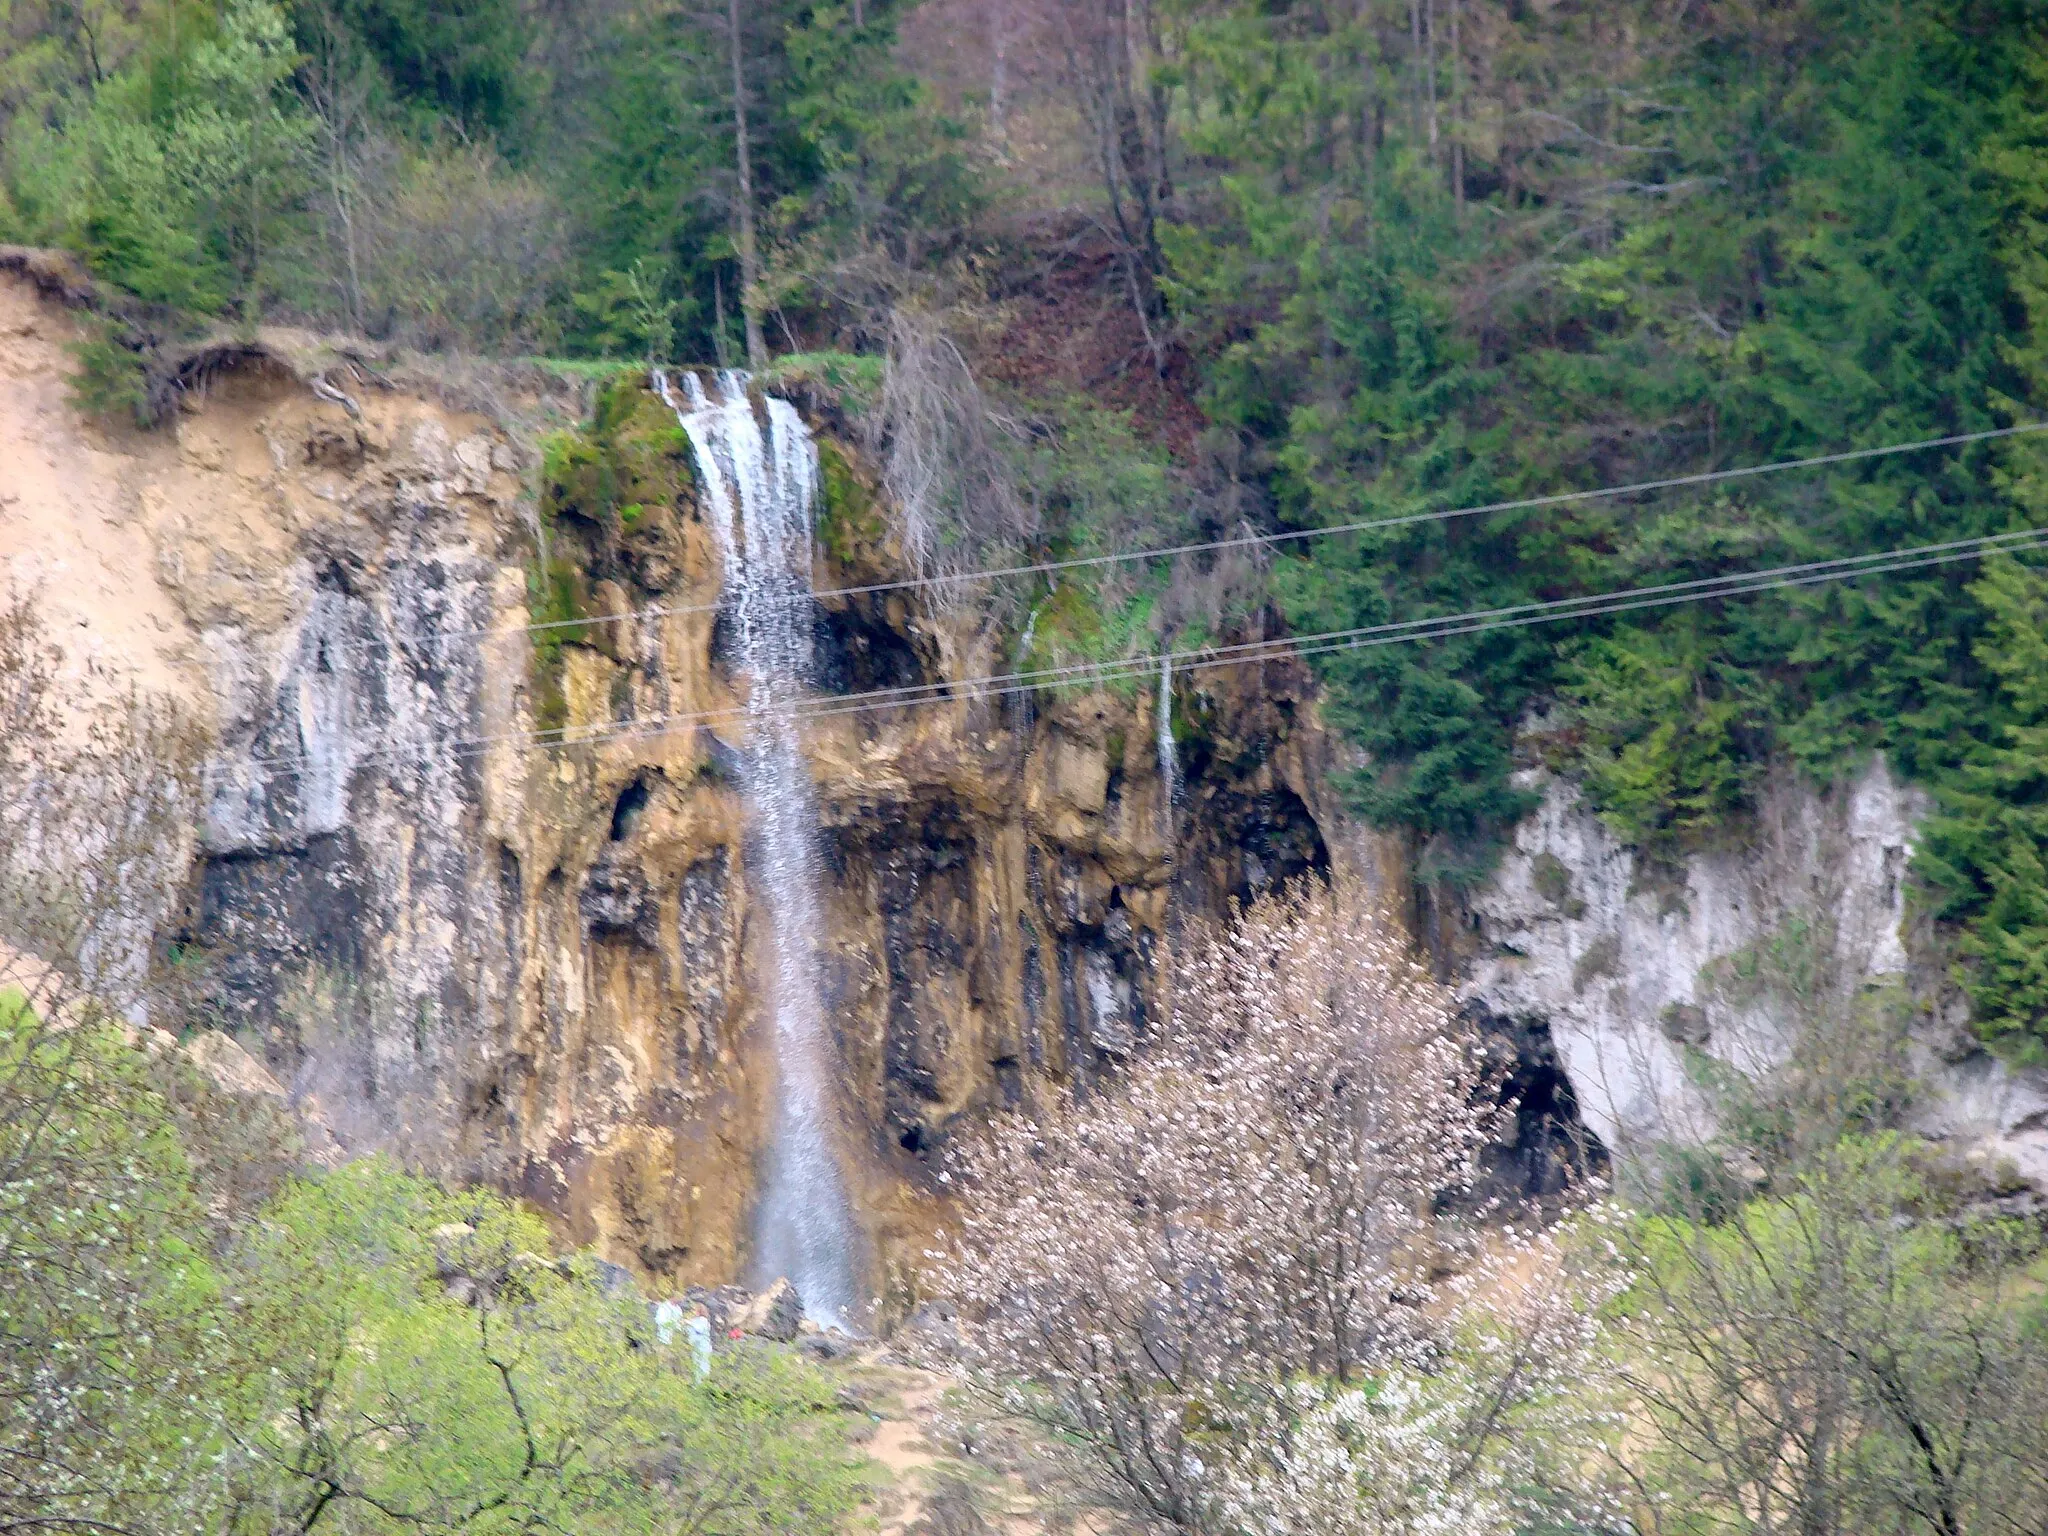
(1629,967)
(825,1344)
(777,1313)
(231,1068)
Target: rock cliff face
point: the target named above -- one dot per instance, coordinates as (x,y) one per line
(530,963)
(1625,968)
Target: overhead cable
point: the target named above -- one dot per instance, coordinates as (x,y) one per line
(1238,542)
(1442,626)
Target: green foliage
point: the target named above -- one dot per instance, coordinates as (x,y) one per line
(891,170)
(110,382)
(848,380)
(178,178)
(572,470)
(1854,1346)
(466,59)
(849,515)
(608,494)
(434,1368)
(1681,245)
(1828,1324)
(1661,746)
(1986,851)
(631,312)
(368,1352)
(857,174)
(1098,487)
(112,1307)
(1784,235)
(555,601)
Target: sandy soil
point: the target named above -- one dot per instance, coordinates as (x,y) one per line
(74,539)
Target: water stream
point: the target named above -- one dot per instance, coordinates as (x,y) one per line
(1169,761)
(758,493)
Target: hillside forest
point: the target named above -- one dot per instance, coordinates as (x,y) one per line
(1090,276)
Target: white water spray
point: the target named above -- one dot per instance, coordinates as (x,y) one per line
(1169,761)
(758,494)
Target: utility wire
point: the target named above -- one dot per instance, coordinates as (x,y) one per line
(1243,541)
(1442,626)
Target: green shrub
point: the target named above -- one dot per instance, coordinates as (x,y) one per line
(430,1355)
(111,381)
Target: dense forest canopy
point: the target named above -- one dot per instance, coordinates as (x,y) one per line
(1184,267)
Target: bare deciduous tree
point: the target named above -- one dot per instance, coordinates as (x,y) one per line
(749,247)
(1836,1331)
(1187,1268)
(939,439)
(1115,58)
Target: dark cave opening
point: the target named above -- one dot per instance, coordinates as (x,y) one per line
(631,803)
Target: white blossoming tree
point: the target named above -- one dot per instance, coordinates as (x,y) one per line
(1225,1277)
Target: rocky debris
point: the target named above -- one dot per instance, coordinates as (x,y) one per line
(721,1303)
(777,1313)
(451,1262)
(614,1279)
(231,1068)
(472,1274)
(822,1344)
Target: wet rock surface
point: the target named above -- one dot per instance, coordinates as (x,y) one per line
(536,962)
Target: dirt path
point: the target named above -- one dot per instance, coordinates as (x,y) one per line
(903,1446)
(933,1490)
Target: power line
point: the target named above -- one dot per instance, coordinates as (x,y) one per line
(1557,610)
(1442,626)
(1243,541)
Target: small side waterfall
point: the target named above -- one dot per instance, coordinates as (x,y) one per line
(1169,760)
(758,494)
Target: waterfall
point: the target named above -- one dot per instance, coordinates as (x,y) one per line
(1169,763)
(757,498)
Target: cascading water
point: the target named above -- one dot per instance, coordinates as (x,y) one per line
(757,498)
(1169,760)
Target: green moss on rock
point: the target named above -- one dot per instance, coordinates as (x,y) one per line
(849,513)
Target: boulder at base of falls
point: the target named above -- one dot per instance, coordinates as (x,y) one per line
(822,1343)
(777,1313)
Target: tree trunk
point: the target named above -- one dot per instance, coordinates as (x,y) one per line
(1429,72)
(1457,109)
(1415,65)
(750,252)
(999,72)
(718,316)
